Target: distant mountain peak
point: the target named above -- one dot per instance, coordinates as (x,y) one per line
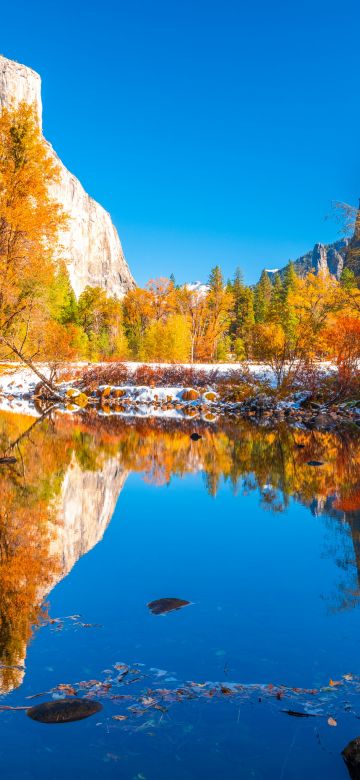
(330,257)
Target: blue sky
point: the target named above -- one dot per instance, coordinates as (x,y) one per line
(213,132)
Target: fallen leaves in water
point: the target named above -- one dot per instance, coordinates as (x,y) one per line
(69,621)
(79,700)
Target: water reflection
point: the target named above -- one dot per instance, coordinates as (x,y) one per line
(60,495)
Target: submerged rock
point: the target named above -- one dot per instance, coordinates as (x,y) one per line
(162,606)
(64,710)
(351,756)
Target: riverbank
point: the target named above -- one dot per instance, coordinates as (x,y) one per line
(205,392)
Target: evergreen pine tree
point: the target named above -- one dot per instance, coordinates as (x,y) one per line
(262,298)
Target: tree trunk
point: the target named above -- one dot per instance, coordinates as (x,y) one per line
(33,368)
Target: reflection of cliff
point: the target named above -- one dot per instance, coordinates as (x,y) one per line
(57,502)
(84,509)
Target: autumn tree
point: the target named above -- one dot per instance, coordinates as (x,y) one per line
(343,339)
(220,303)
(101,320)
(30,223)
(193,304)
(168,341)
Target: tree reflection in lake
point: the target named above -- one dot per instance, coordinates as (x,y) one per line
(59,496)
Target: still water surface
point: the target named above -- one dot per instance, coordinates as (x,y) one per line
(99,518)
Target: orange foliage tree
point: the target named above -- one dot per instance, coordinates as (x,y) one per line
(30,222)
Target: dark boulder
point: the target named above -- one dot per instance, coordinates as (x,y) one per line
(351,756)
(162,606)
(64,710)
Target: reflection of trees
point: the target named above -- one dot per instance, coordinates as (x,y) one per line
(25,532)
(28,523)
(272,461)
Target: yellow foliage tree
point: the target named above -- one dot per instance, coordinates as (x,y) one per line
(30,222)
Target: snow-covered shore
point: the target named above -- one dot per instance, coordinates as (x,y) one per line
(149,390)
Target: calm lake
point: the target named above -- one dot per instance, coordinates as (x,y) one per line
(102,515)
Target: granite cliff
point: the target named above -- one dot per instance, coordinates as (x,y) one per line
(91,245)
(331,257)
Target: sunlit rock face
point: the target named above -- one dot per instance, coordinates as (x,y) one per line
(84,510)
(322,258)
(91,245)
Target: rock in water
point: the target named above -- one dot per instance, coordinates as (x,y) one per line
(91,244)
(315,463)
(64,710)
(195,436)
(351,756)
(162,606)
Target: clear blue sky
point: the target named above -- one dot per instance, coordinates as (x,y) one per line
(214,132)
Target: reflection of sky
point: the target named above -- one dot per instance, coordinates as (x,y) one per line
(259,582)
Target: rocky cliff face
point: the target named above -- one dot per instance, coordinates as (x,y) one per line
(331,257)
(91,245)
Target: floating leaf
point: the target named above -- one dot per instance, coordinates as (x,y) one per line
(332,722)
(69,690)
(120,717)
(226,691)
